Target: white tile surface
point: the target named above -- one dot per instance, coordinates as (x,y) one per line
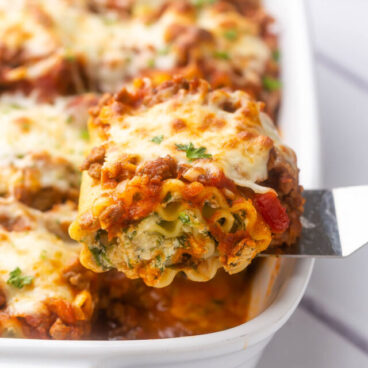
(343,111)
(340,31)
(305,343)
(341,285)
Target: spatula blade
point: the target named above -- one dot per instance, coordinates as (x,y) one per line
(335,224)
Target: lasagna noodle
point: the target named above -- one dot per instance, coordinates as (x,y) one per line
(171,182)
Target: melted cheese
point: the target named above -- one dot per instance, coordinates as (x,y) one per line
(30,127)
(228,134)
(38,253)
(20,28)
(41,255)
(243,161)
(41,145)
(115,49)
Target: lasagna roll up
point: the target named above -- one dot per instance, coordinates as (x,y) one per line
(42,146)
(44,291)
(183,178)
(228,43)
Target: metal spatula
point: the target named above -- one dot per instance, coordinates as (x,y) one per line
(335,224)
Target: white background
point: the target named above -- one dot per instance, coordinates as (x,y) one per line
(330,327)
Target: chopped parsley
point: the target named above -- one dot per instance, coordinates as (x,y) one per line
(70,119)
(183,241)
(231,34)
(158,263)
(157,139)
(270,83)
(100,257)
(151,63)
(109,21)
(200,3)
(43,255)
(221,55)
(9,107)
(164,51)
(18,280)
(69,57)
(193,153)
(99,252)
(84,134)
(184,218)
(276,55)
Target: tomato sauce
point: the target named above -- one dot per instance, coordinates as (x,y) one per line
(274,214)
(129,309)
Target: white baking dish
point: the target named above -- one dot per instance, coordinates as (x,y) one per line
(275,299)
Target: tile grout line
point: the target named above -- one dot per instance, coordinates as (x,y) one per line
(329,62)
(308,304)
(311,306)
(341,70)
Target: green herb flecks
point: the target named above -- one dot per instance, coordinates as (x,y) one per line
(276,55)
(158,263)
(84,134)
(18,280)
(157,139)
(69,119)
(109,21)
(183,241)
(6,109)
(15,106)
(70,57)
(231,34)
(151,63)
(223,55)
(184,218)
(164,51)
(193,153)
(43,255)
(100,257)
(271,84)
(99,251)
(200,3)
